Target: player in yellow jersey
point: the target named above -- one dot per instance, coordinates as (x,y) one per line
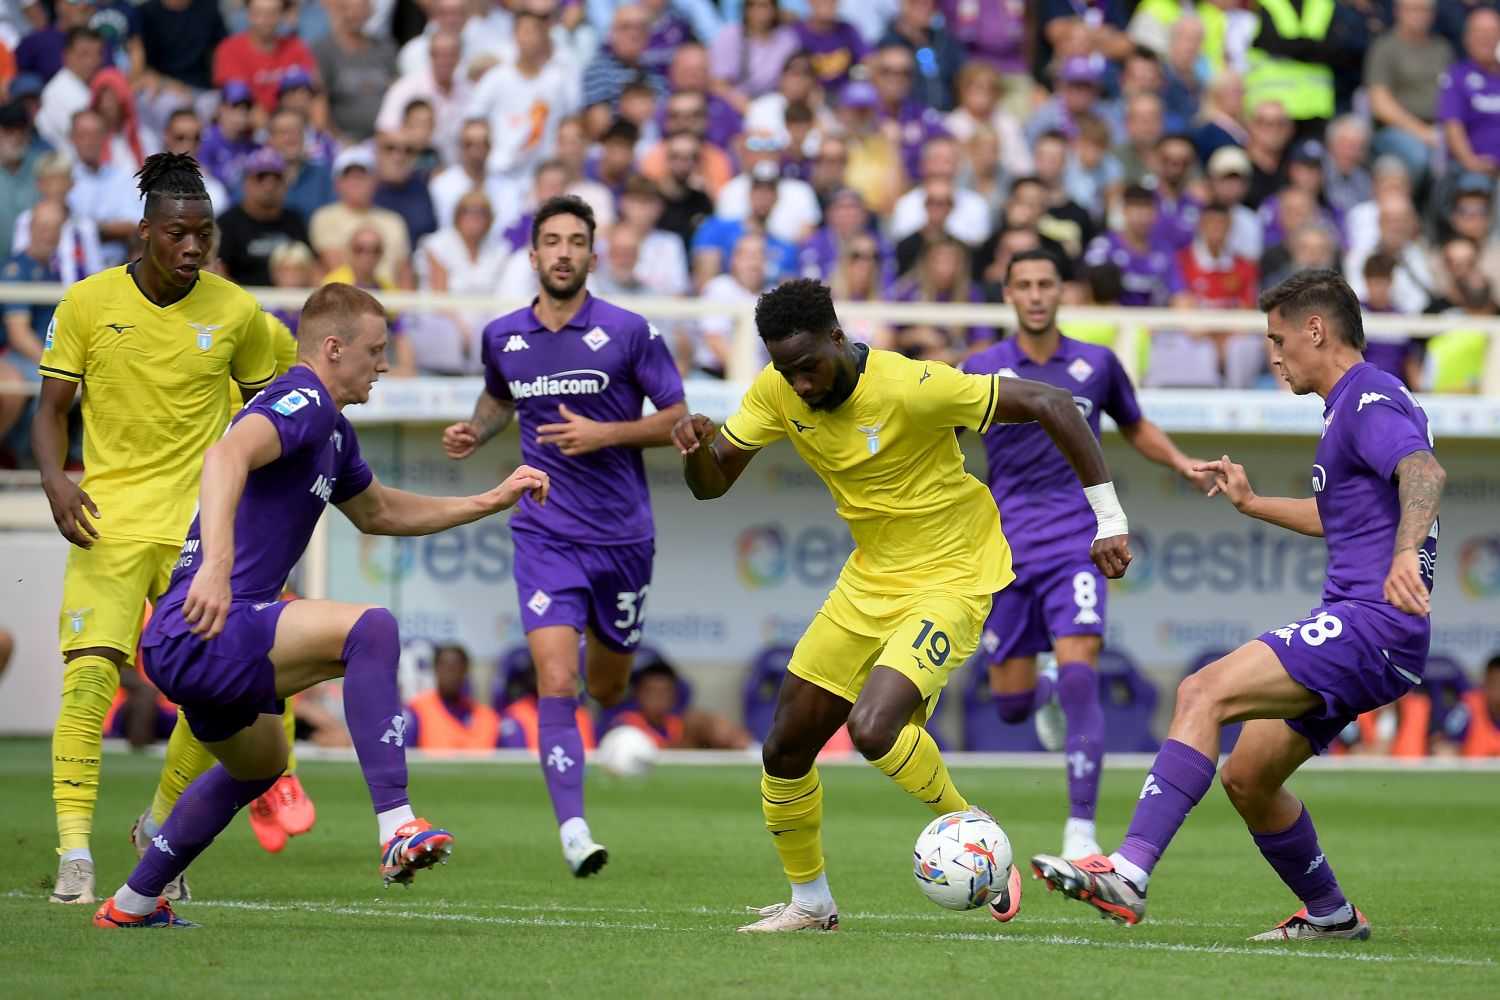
(155,344)
(910,603)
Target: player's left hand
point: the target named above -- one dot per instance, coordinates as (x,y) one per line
(525,481)
(576,435)
(1403,584)
(207,605)
(1111,555)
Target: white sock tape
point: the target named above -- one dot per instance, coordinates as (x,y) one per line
(1107,510)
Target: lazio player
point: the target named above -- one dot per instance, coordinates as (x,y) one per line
(154,344)
(929,554)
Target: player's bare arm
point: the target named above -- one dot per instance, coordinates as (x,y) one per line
(709,463)
(381,510)
(1419,486)
(1296,514)
(576,434)
(491,416)
(1155,445)
(70,505)
(1024,400)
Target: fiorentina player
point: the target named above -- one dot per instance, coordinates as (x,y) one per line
(156,344)
(911,601)
(1058,599)
(576,370)
(1375,497)
(224,646)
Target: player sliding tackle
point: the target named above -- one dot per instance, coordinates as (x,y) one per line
(1375,497)
(228,651)
(910,603)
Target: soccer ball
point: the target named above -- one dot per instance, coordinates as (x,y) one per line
(626,752)
(962,860)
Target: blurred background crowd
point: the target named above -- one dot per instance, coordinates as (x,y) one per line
(1169,153)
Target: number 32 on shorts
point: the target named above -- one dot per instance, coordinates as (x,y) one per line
(1314,631)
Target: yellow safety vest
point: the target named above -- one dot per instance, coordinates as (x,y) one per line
(1455,361)
(1304,90)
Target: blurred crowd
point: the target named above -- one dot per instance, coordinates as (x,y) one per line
(1169,153)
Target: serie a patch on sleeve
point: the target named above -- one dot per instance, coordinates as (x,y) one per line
(290,403)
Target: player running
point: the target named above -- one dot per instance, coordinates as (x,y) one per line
(224,647)
(1375,497)
(1058,600)
(577,371)
(911,601)
(156,343)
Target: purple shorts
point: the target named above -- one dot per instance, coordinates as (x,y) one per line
(596,588)
(1057,600)
(224,684)
(1356,656)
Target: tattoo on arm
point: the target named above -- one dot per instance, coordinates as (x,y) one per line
(491,416)
(1419,480)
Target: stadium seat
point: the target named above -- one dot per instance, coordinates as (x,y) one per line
(761,686)
(644,656)
(1230,734)
(1129,701)
(983,729)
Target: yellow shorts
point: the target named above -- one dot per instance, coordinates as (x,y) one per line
(923,636)
(105,590)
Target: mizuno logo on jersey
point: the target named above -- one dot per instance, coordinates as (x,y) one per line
(801,426)
(926,374)
(515,343)
(1368,398)
(117,327)
(577,382)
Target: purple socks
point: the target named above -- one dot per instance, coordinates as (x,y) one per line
(1297,858)
(1179,779)
(1078,696)
(372,706)
(205,808)
(561,749)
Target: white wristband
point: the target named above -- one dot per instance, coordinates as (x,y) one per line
(1107,510)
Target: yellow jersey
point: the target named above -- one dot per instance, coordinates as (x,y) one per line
(283,347)
(890,457)
(154,391)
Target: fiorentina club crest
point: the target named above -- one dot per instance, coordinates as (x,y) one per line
(1080,370)
(596,338)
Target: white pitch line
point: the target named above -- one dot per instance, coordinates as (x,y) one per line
(1059,940)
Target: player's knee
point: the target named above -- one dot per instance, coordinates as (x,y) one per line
(608,689)
(1077,685)
(872,735)
(1245,790)
(785,758)
(378,626)
(1015,706)
(1195,697)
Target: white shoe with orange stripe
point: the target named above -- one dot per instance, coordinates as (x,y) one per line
(1300,927)
(1093,880)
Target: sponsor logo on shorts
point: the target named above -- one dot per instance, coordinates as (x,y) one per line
(596,338)
(539,602)
(575,382)
(397,733)
(263,605)
(1087,616)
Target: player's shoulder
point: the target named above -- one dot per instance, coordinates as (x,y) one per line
(1370,386)
(993,360)
(521,320)
(293,393)
(1094,358)
(614,319)
(97,287)
(221,290)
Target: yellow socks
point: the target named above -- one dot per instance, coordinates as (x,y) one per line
(290,722)
(186,760)
(916,764)
(794,817)
(89,684)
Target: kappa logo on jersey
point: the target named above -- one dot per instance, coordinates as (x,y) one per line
(1080,370)
(397,733)
(206,334)
(1370,397)
(263,605)
(160,843)
(558,758)
(872,436)
(1150,787)
(1327,423)
(1319,478)
(322,487)
(75,618)
(652,333)
(576,382)
(539,602)
(801,426)
(515,343)
(596,338)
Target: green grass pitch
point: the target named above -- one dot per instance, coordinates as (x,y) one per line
(1415,851)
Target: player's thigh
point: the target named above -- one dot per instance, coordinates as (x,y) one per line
(1267,753)
(1078,649)
(1249,683)
(104,594)
(554,652)
(607,666)
(256,752)
(935,636)
(309,642)
(1016,675)
(806,717)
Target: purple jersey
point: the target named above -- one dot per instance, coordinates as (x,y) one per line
(1045,516)
(602,365)
(319,464)
(1176,221)
(1148,277)
(833,52)
(1470,96)
(1370,423)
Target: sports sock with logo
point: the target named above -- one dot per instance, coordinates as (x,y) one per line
(1078,696)
(186,761)
(372,706)
(561,750)
(916,764)
(205,809)
(1178,780)
(89,684)
(1297,858)
(793,808)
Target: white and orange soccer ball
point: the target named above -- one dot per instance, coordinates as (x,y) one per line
(962,860)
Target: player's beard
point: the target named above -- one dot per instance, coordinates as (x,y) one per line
(566,290)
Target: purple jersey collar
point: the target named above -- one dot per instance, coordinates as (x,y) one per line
(1065,350)
(1341,385)
(580,319)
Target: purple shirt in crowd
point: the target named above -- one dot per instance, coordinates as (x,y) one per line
(818,257)
(602,365)
(919,125)
(319,464)
(1148,277)
(1370,423)
(1471,96)
(992,31)
(225,157)
(1043,511)
(1176,221)
(833,52)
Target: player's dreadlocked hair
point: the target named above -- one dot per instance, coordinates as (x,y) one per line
(793,307)
(170,175)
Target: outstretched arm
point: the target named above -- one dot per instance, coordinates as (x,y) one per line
(1297,514)
(709,463)
(1153,444)
(381,510)
(491,416)
(578,435)
(49,445)
(1419,486)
